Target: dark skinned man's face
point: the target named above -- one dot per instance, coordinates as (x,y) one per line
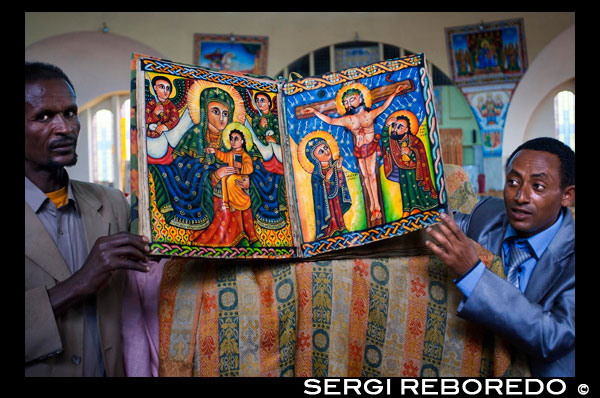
(51,124)
(532,194)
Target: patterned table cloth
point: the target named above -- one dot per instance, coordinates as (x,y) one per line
(370,317)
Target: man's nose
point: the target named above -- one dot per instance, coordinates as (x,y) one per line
(60,123)
(522,195)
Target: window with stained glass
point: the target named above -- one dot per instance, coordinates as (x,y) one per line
(103,147)
(564,117)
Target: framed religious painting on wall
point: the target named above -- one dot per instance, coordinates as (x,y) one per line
(231,53)
(487,52)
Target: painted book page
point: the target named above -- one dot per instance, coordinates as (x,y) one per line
(365,154)
(210,167)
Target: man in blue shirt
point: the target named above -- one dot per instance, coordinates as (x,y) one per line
(534,233)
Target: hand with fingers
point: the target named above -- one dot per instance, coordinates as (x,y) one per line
(109,253)
(453,247)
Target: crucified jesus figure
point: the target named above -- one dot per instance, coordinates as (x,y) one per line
(360,120)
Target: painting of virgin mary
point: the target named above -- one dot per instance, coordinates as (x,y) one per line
(182,187)
(330,192)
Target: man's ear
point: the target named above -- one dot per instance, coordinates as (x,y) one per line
(568,196)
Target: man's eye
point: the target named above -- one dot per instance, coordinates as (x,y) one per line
(43,117)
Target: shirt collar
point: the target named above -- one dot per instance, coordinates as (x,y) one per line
(540,241)
(35,198)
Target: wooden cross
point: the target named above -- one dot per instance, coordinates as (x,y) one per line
(377,94)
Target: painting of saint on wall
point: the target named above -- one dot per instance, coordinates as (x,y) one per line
(235,53)
(356,56)
(487,52)
(490,105)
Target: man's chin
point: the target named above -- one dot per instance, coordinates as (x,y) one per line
(66,162)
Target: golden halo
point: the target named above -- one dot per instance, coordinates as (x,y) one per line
(414,122)
(303,160)
(166,77)
(193,100)
(240,127)
(361,87)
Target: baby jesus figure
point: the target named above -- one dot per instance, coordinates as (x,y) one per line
(236,179)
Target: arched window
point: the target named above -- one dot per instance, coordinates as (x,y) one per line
(103,147)
(564,117)
(108,123)
(351,54)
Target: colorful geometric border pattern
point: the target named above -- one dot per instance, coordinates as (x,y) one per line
(379,304)
(165,249)
(193,72)
(396,228)
(228,323)
(436,318)
(321,299)
(287,318)
(331,79)
(433,136)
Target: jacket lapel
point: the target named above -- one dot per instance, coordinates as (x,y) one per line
(97,225)
(550,267)
(496,238)
(41,249)
(94,223)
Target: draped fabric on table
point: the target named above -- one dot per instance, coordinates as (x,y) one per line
(392,316)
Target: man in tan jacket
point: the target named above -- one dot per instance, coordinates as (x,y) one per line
(76,244)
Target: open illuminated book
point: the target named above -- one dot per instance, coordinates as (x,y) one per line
(227,165)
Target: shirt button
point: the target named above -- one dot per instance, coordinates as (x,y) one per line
(76,359)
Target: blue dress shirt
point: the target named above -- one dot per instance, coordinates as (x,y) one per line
(537,244)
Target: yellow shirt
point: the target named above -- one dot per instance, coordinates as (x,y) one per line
(60,197)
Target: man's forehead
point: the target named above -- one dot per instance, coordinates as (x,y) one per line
(38,91)
(535,162)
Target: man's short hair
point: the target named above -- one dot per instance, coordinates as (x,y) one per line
(551,145)
(36,71)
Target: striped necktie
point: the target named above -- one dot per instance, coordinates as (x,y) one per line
(516,257)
